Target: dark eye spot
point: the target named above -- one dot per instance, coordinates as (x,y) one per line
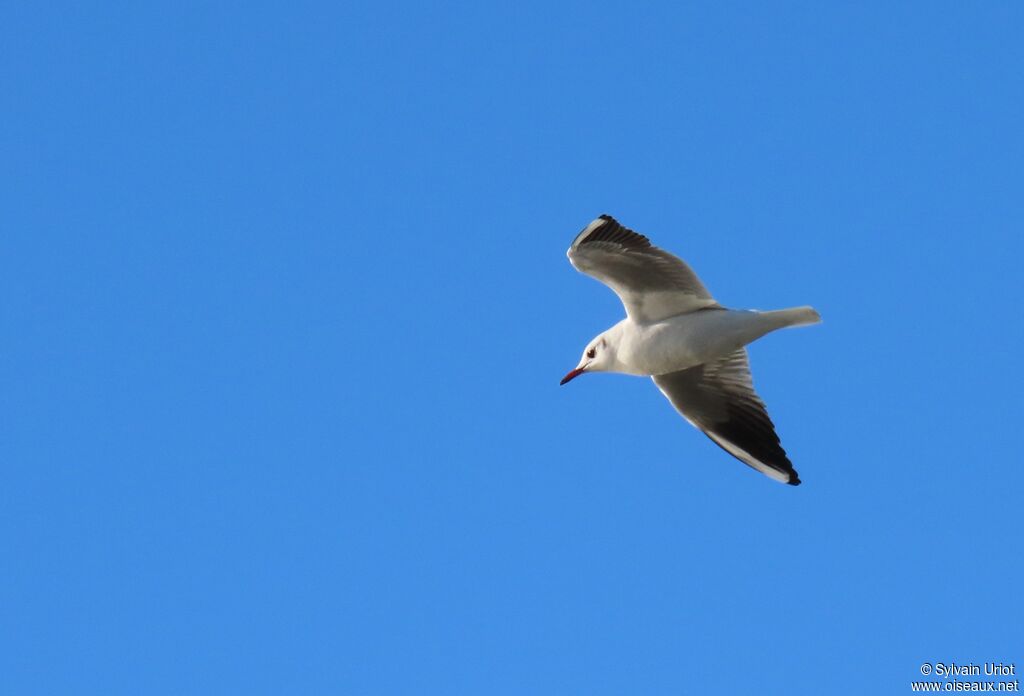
(591,353)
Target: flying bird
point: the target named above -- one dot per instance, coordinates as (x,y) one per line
(679,336)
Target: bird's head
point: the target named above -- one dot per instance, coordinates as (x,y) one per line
(597,357)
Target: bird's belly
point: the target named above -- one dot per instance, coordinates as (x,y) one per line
(683,341)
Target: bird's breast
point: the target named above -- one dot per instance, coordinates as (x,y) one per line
(657,348)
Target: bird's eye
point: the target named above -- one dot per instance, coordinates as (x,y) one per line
(591,353)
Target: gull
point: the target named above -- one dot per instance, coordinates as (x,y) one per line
(679,336)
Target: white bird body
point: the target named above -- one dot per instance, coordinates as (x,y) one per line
(692,347)
(686,340)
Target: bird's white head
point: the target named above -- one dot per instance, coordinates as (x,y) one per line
(599,356)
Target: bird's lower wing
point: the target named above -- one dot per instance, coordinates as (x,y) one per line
(719,399)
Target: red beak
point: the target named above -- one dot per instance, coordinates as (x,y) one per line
(573,374)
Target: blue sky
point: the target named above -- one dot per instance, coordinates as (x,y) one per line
(285,305)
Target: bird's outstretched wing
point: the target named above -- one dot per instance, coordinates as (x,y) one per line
(719,399)
(652,283)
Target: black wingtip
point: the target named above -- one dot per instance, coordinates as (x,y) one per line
(794,479)
(613,231)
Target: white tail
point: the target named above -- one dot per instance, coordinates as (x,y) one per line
(795,316)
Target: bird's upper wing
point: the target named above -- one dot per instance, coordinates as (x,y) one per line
(719,399)
(652,283)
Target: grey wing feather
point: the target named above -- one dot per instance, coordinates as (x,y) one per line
(719,399)
(652,283)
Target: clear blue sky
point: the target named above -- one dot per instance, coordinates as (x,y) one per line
(285,304)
